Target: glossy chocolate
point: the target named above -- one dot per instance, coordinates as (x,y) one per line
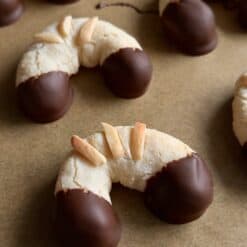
(84,219)
(242,13)
(45,98)
(10,11)
(190,26)
(181,192)
(244,150)
(127,73)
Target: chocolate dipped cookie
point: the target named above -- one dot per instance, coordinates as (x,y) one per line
(42,81)
(175,181)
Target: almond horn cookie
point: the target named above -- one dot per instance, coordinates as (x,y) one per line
(42,81)
(175,181)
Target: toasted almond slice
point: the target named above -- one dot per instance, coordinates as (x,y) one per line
(88,151)
(113,141)
(48,37)
(86,31)
(99,142)
(138,140)
(65,26)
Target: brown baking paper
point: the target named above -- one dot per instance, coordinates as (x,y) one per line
(190,98)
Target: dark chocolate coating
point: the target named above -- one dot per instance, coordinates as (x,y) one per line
(242,13)
(10,11)
(127,73)
(244,150)
(84,219)
(45,98)
(190,26)
(63,1)
(181,192)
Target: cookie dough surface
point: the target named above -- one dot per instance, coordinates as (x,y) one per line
(159,150)
(67,55)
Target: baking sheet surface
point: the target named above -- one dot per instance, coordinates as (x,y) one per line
(190,98)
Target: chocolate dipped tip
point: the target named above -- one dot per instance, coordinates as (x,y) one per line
(84,219)
(10,11)
(242,13)
(127,73)
(190,26)
(45,98)
(63,1)
(181,192)
(244,150)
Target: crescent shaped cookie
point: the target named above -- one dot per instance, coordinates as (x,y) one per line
(42,80)
(175,181)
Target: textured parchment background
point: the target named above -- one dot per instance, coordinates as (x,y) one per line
(190,98)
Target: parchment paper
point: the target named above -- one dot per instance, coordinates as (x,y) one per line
(190,98)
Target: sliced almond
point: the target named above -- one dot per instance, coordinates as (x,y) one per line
(65,26)
(48,37)
(138,140)
(86,31)
(88,151)
(113,141)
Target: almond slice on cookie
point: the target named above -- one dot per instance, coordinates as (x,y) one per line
(138,140)
(88,151)
(113,141)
